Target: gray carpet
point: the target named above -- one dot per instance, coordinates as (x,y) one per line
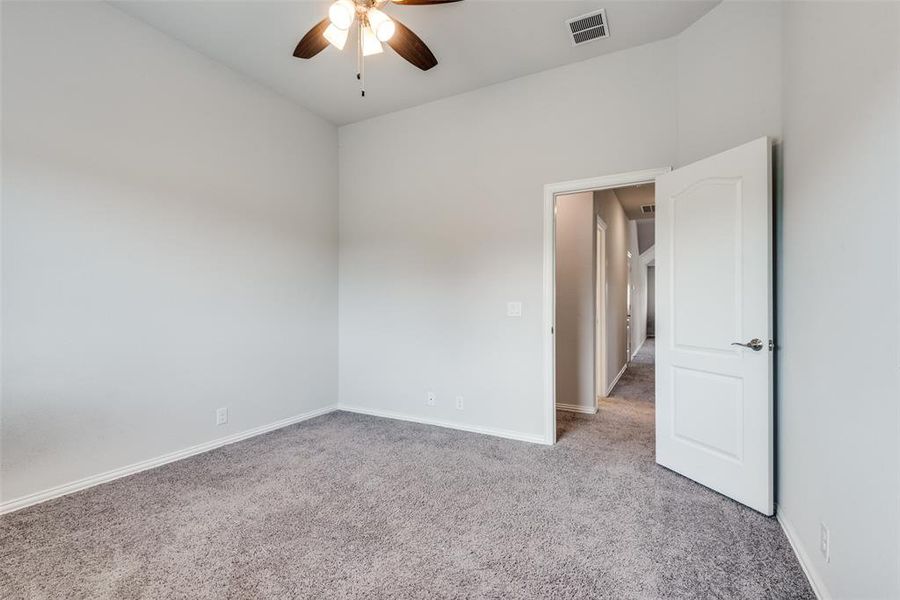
(350,506)
(637,381)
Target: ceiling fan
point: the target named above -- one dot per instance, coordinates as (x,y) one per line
(373,27)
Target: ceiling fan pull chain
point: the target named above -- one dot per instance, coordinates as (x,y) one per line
(360,61)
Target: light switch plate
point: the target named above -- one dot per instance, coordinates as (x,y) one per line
(513,309)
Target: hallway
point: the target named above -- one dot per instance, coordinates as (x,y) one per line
(638,379)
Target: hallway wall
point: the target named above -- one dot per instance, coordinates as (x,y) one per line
(638,290)
(575,277)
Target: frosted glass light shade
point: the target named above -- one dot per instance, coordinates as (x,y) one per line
(342,13)
(381,24)
(336,37)
(371,45)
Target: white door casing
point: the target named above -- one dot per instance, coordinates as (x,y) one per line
(714,406)
(551,190)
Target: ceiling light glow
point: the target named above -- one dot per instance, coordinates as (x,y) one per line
(381,24)
(371,45)
(342,13)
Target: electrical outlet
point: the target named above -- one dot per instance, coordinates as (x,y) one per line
(221,416)
(459,403)
(825,542)
(513,309)
(431,399)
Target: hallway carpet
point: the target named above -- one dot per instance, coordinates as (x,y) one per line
(638,379)
(351,506)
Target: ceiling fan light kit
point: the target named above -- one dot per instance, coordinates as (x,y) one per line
(373,26)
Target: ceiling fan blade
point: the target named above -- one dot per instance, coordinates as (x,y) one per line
(313,42)
(411,47)
(423,2)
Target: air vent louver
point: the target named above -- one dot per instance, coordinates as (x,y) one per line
(589,27)
(648,209)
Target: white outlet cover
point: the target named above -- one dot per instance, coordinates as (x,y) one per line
(459,403)
(221,416)
(513,309)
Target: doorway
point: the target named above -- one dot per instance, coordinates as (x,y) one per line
(582,310)
(601,293)
(712,317)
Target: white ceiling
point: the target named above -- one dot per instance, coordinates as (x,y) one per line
(633,197)
(477,43)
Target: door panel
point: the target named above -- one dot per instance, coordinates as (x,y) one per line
(707,411)
(713,288)
(708,211)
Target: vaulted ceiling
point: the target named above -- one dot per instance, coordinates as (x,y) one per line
(477,43)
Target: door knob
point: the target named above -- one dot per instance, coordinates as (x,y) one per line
(755,344)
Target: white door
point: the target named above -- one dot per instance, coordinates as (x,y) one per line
(714,290)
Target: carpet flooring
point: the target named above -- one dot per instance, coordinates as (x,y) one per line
(351,506)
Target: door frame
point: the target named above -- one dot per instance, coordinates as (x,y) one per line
(551,191)
(601,377)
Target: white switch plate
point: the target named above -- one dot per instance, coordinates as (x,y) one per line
(459,403)
(431,399)
(221,416)
(513,309)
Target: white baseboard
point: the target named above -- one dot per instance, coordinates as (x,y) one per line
(503,433)
(87,482)
(577,408)
(815,580)
(638,348)
(616,380)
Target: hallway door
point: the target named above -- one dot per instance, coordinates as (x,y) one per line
(714,323)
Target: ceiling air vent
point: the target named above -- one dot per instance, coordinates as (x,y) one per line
(648,209)
(589,27)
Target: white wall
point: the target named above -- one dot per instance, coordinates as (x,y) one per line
(839,360)
(440,212)
(729,78)
(441,226)
(169,246)
(575,298)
